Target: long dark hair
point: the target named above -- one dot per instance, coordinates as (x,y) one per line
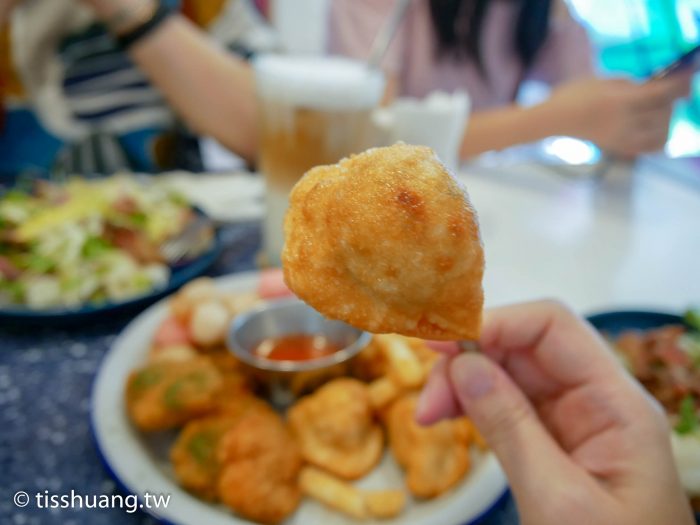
(458,25)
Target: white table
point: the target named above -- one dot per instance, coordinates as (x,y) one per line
(630,241)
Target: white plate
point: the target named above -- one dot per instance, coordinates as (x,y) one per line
(140,463)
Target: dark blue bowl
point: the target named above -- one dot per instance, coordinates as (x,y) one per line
(614,322)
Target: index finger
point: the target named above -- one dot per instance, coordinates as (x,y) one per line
(545,347)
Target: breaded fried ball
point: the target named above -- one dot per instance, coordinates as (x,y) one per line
(260,465)
(336,430)
(387,241)
(167,394)
(195,452)
(435,458)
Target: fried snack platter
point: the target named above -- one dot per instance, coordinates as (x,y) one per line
(142,461)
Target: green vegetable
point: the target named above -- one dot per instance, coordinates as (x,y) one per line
(16,196)
(138,219)
(70,284)
(192,382)
(692,318)
(147,378)
(689,342)
(201,446)
(687,417)
(179,199)
(15,289)
(38,263)
(94,247)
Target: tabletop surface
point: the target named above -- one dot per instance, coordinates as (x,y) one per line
(597,244)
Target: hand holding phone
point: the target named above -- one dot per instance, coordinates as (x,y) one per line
(689,61)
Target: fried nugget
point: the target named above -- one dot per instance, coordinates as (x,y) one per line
(261,463)
(387,241)
(194,455)
(336,430)
(435,458)
(167,394)
(195,452)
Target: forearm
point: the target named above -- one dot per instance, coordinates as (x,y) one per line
(213,91)
(503,127)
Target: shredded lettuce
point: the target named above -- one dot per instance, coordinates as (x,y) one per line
(38,263)
(14,289)
(93,247)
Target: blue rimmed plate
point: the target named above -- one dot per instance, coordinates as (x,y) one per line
(141,465)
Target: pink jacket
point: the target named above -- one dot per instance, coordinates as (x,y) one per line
(565,55)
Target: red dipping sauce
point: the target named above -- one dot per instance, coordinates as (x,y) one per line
(295,347)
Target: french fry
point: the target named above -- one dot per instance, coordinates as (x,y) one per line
(341,495)
(333,492)
(403,363)
(382,391)
(385,503)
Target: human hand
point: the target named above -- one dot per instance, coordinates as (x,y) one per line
(620,116)
(579,440)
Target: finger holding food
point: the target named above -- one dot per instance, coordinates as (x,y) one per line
(336,430)
(387,241)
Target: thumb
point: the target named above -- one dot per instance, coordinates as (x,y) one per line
(529,455)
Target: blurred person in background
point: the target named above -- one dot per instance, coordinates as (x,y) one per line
(489,48)
(95,86)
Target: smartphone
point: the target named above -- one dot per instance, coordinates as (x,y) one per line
(689,61)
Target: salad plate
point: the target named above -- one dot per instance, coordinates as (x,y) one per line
(179,275)
(87,248)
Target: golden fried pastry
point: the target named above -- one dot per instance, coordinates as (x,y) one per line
(387,241)
(435,458)
(167,394)
(336,430)
(261,463)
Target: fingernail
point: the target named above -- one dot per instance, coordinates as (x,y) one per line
(472,375)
